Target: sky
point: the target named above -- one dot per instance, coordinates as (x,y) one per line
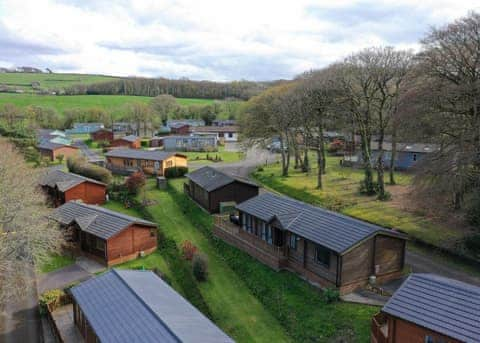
(210,40)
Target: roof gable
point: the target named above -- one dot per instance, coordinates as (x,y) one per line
(64,180)
(96,220)
(123,305)
(211,179)
(443,305)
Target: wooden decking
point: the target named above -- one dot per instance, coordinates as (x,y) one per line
(233,234)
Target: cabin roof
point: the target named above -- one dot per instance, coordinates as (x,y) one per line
(129,138)
(128,305)
(64,180)
(96,220)
(46,145)
(332,230)
(231,128)
(152,155)
(443,305)
(211,179)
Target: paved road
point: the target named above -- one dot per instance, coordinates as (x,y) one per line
(62,277)
(254,158)
(21,320)
(91,155)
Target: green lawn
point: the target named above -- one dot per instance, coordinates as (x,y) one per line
(226,156)
(340,193)
(49,81)
(250,301)
(229,301)
(54,262)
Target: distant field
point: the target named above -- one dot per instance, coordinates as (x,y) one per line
(62,103)
(48,81)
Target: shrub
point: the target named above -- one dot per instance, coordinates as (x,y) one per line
(135,182)
(175,172)
(160,239)
(52,296)
(79,165)
(200,267)
(472,243)
(188,250)
(260,169)
(330,295)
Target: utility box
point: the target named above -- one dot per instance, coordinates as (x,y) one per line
(161,182)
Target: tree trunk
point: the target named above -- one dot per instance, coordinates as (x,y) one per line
(284,158)
(393,155)
(380,169)
(320,156)
(367,163)
(306,162)
(319,166)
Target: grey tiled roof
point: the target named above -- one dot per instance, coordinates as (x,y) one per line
(46,145)
(443,305)
(63,180)
(330,229)
(96,220)
(210,179)
(152,155)
(137,306)
(130,138)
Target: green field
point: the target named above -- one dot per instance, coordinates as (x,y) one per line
(225,156)
(53,81)
(340,193)
(114,103)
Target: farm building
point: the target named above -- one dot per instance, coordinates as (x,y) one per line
(146,309)
(63,187)
(53,150)
(429,308)
(189,143)
(126,161)
(210,187)
(222,133)
(327,248)
(102,135)
(84,128)
(107,236)
(407,155)
(131,141)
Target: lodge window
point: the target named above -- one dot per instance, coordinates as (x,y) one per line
(244,221)
(414,157)
(230,135)
(269,236)
(169,164)
(152,232)
(322,256)
(99,244)
(293,241)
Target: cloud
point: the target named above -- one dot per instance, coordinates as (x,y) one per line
(211,39)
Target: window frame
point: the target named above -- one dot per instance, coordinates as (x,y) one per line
(293,239)
(321,251)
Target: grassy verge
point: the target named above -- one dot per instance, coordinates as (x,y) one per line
(54,262)
(230,302)
(225,156)
(340,193)
(297,305)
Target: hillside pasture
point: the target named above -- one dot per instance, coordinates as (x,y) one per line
(47,81)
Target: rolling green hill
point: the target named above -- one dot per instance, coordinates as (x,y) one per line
(62,103)
(53,81)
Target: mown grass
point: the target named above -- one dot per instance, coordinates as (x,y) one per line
(49,81)
(225,156)
(341,193)
(114,103)
(54,262)
(250,301)
(231,304)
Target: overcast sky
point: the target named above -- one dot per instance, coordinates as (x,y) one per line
(202,39)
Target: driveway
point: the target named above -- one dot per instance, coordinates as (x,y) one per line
(62,278)
(90,155)
(254,158)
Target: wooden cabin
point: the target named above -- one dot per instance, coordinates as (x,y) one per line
(138,306)
(222,133)
(325,247)
(151,162)
(107,236)
(429,308)
(102,135)
(179,129)
(62,187)
(53,150)
(131,142)
(209,187)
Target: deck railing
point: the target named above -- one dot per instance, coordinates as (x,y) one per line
(379,328)
(223,223)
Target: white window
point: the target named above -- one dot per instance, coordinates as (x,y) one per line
(269,237)
(293,241)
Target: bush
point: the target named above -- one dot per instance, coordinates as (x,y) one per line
(79,165)
(335,146)
(60,158)
(330,295)
(175,172)
(50,297)
(200,267)
(135,182)
(472,243)
(188,250)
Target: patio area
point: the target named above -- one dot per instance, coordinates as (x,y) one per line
(64,324)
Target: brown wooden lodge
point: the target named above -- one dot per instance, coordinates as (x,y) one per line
(209,188)
(62,187)
(326,248)
(429,308)
(105,235)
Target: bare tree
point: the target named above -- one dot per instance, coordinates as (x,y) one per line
(164,105)
(25,235)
